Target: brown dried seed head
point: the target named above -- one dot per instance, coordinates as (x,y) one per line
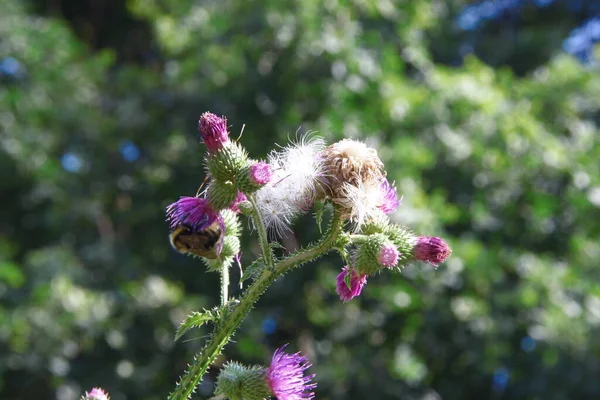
(353,162)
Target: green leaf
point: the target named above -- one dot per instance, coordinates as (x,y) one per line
(253,270)
(194,320)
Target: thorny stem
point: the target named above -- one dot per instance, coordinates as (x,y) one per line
(225,328)
(262,232)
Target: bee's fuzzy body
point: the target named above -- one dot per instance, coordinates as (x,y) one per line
(202,243)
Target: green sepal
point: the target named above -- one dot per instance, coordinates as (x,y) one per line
(194,320)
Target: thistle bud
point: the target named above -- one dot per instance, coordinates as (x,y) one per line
(221,194)
(404,240)
(213,131)
(238,382)
(254,177)
(246,208)
(96,394)
(350,283)
(376,252)
(225,164)
(231,222)
(388,255)
(432,250)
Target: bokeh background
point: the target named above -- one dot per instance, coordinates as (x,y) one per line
(485,114)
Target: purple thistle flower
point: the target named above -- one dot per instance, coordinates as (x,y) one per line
(260,173)
(193,212)
(236,203)
(432,250)
(213,131)
(388,255)
(285,376)
(390,200)
(350,283)
(96,394)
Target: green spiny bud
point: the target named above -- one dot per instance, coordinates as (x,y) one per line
(238,382)
(221,194)
(232,223)
(231,246)
(404,239)
(367,254)
(253,177)
(378,223)
(246,208)
(227,162)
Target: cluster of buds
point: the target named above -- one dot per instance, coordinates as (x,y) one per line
(284,379)
(203,225)
(348,175)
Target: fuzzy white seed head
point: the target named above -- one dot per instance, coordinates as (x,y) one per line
(361,203)
(297,172)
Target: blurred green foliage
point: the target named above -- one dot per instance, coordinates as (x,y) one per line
(97,136)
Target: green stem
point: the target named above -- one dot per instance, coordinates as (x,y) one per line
(226,327)
(262,232)
(224,284)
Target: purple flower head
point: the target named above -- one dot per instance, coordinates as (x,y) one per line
(390,200)
(388,255)
(350,283)
(432,250)
(96,394)
(285,376)
(260,173)
(236,203)
(193,212)
(213,131)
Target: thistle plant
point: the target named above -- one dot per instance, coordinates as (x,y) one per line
(347,177)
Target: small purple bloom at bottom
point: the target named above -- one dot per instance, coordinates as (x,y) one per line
(96,394)
(285,376)
(350,283)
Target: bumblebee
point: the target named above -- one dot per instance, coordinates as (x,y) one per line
(203,243)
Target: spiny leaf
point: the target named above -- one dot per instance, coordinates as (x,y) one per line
(253,270)
(194,320)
